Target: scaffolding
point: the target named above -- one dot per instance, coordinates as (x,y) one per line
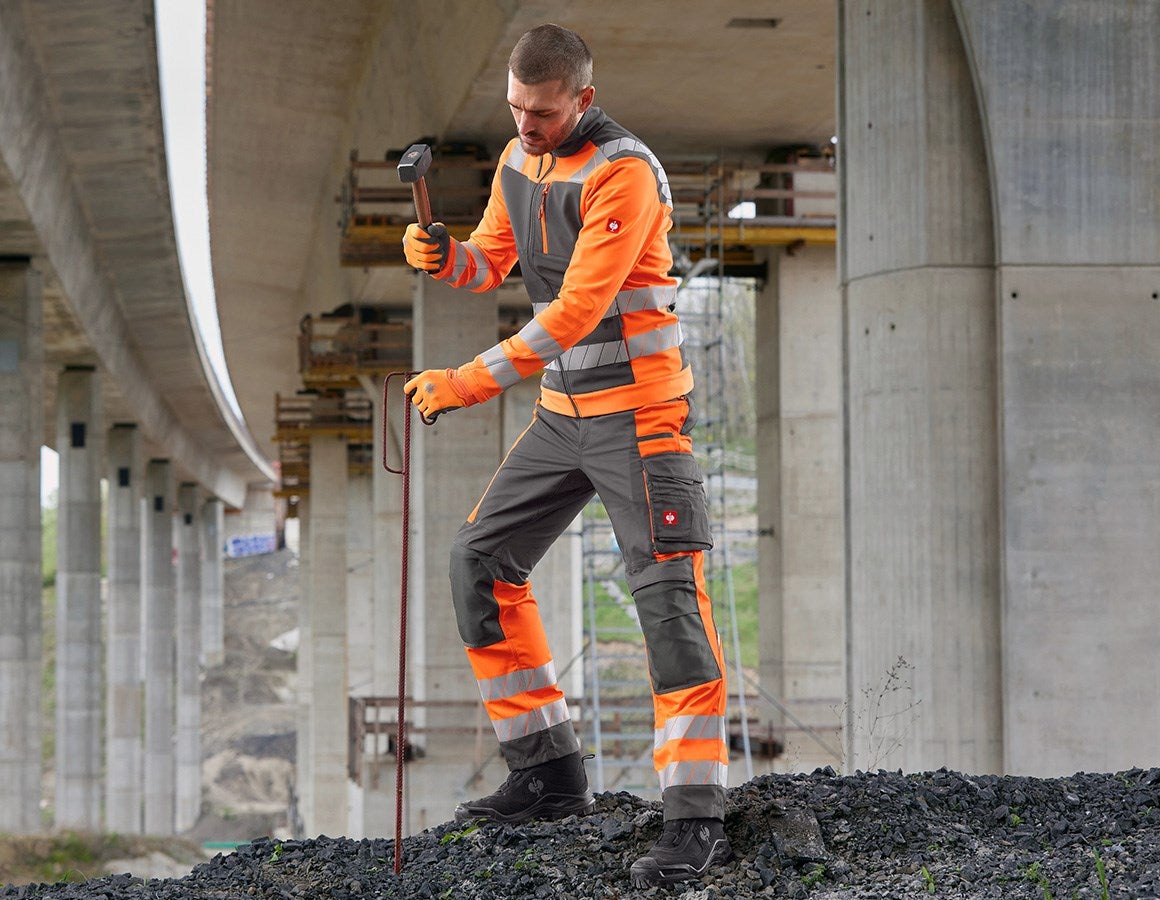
(792,203)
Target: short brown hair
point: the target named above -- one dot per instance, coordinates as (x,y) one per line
(552,53)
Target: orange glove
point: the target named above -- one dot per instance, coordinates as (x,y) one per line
(438,391)
(427,249)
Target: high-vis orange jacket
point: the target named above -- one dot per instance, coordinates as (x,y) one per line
(589,226)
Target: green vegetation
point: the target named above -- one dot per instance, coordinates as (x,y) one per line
(452,836)
(612,615)
(48,678)
(928,878)
(1035,873)
(816,874)
(48,545)
(74,856)
(1102,874)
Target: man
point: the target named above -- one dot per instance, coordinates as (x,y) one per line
(585,208)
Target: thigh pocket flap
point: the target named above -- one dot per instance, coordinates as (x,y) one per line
(676,499)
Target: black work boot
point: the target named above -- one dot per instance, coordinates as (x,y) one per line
(685,849)
(551,790)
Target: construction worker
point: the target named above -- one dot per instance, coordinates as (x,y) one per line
(584,206)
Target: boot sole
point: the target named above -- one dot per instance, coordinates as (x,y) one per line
(547,810)
(646,873)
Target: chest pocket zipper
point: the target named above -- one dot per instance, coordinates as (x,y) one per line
(544,217)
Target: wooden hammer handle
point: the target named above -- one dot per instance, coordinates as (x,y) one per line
(422,202)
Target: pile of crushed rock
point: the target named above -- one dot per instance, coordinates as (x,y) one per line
(821,836)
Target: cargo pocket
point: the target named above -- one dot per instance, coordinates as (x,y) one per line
(676,501)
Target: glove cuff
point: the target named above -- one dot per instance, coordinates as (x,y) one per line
(462,387)
(448,267)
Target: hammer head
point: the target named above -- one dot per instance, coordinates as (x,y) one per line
(414,163)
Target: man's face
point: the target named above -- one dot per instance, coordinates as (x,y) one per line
(545,113)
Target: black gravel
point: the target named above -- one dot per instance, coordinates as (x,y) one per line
(821,836)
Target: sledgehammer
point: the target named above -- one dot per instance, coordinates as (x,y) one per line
(413,167)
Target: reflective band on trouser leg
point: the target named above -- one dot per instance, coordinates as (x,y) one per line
(517,681)
(690,747)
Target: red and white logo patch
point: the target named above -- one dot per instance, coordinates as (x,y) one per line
(669,516)
(614,225)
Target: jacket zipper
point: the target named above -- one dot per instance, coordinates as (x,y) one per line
(540,176)
(544,216)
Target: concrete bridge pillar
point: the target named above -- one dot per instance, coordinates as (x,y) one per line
(801,505)
(360,585)
(123,687)
(212,583)
(327,638)
(304,672)
(187,749)
(917,269)
(159,591)
(452,462)
(80,445)
(21,434)
(385,533)
(1070,92)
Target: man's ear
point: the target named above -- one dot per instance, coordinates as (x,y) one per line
(586,96)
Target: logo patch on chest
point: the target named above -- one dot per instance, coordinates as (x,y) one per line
(614,225)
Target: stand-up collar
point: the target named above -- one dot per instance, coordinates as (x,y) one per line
(589,123)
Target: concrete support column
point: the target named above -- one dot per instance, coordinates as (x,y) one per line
(254,526)
(387,525)
(770,589)
(21,434)
(187,529)
(79,441)
(1072,103)
(917,266)
(159,591)
(212,584)
(124,690)
(452,463)
(801,504)
(377,796)
(360,585)
(360,645)
(304,676)
(328,622)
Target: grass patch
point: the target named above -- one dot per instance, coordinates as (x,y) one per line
(614,623)
(75,856)
(48,545)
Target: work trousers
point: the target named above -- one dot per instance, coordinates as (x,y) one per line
(641,466)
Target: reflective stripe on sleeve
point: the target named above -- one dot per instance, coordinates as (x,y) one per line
(693,772)
(514,683)
(500,367)
(481,268)
(541,719)
(541,343)
(655,341)
(655,296)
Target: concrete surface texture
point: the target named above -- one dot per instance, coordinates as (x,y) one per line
(1002,356)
